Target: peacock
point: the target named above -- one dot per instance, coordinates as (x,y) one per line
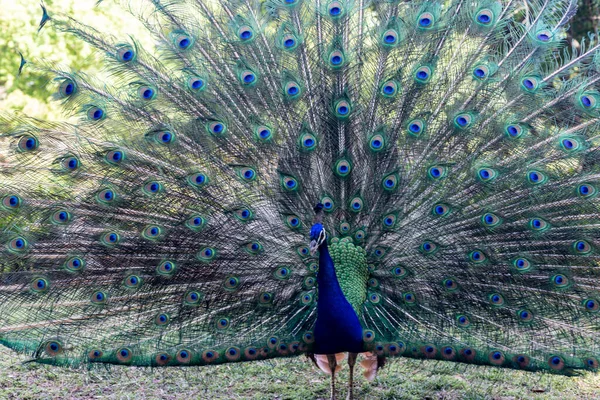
(274,178)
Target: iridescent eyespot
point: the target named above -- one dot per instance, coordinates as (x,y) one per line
(95,113)
(536,177)
(307,142)
(74,264)
(231,283)
(18,245)
(477,256)
(360,235)
(11,202)
(166,268)
(556,363)
(265,298)
(514,131)
(368,335)
(450,284)
(292,221)
(206,254)
(342,168)
(530,84)
(409,298)
(481,72)
(308,337)
(233,353)
(182,40)
(162,319)
(28,143)
(125,53)
(335,9)
(195,222)
(53,348)
(589,101)
(152,188)
(484,17)
(39,285)
(306,298)
(253,248)
(110,238)
(263,133)
(463,121)
(132,282)
(591,363)
(538,225)
(399,271)
(289,42)
(328,204)
(390,38)
(343,109)
(248,78)
(496,357)
(521,360)
(196,84)
(309,282)
(344,227)
(124,355)
(487,174)
(243,214)
(356,204)
(582,247)
(69,163)
(426,20)
(210,356)
(246,174)
(522,264)
(591,305)
(95,354)
(222,323)
(416,127)
(192,298)
(379,252)
(586,190)
(198,180)
(292,90)
(524,315)
(303,251)
(390,89)
(396,348)
(374,298)
(496,299)
(147,93)
(282,273)
(448,353)
(490,220)
(216,128)
(152,232)
(544,35)
(468,354)
(114,157)
(245,33)
(336,59)
(570,144)
(289,183)
(67,88)
(463,321)
(423,74)
(106,196)
(437,172)
(560,281)
(377,143)
(428,247)
(440,210)
(99,298)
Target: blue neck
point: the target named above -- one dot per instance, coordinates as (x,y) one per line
(337,328)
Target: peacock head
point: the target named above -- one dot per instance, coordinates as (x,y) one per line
(317,232)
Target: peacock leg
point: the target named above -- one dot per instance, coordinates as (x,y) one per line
(351,363)
(332,365)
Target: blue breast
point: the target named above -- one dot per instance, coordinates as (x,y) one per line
(337,328)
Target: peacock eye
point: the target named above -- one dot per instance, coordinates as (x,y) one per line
(416,127)
(28,143)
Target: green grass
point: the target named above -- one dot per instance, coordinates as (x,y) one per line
(294,378)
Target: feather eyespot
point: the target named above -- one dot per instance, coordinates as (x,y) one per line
(152,232)
(110,238)
(336,59)
(521,360)
(124,355)
(423,74)
(437,172)
(556,363)
(95,354)
(216,128)
(328,204)
(67,88)
(496,299)
(248,78)
(198,180)
(210,356)
(416,127)
(243,214)
(147,93)
(28,143)
(463,321)
(377,143)
(166,268)
(486,175)
(231,283)
(368,335)
(95,113)
(428,247)
(390,38)
(292,90)
(390,89)
(133,282)
(114,157)
(245,33)
(426,20)
(522,264)
(289,41)
(74,264)
(69,163)
(356,204)
(53,348)
(450,284)
(265,298)
(485,17)
(496,357)
(342,168)
(308,142)
(306,298)
(195,222)
(263,133)
(293,222)
(289,183)
(192,298)
(182,40)
(582,247)
(309,282)
(222,323)
(39,285)
(207,254)
(126,54)
(308,337)
(335,9)
(61,217)
(591,305)
(282,273)
(196,84)
(343,109)
(344,227)
(399,272)
(162,319)
(99,298)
